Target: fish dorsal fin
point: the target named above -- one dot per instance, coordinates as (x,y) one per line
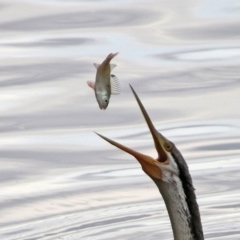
(112,66)
(96,65)
(91,84)
(115,85)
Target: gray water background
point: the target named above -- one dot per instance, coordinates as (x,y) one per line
(58,179)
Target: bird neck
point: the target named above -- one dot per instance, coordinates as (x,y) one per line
(174,198)
(178,193)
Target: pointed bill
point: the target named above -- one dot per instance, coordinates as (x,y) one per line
(147,163)
(155,134)
(122,147)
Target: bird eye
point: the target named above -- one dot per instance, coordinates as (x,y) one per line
(106,100)
(168,146)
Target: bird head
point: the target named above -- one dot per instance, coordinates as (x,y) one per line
(151,166)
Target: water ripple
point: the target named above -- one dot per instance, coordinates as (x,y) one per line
(82,19)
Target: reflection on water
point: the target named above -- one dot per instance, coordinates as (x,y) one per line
(58,179)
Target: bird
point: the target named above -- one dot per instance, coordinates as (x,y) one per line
(169,171)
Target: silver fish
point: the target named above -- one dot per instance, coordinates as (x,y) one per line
(105,83)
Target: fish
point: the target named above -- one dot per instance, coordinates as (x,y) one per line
(106,84)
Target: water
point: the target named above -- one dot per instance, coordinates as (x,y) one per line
(61,181)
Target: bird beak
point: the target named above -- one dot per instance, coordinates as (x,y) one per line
(149,165)
(158,138)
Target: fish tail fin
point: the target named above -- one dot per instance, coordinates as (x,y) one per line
(110,57)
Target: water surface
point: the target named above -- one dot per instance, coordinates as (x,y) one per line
(61,181)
